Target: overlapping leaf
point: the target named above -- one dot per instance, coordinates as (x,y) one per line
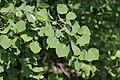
(20,26)
(35,47)
(62,50)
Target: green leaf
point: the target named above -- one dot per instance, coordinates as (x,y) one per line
(8,8)
(26,38)
(29,8)
(117,54)
(49,31)
(75,28)
(42,12)
(62,9)
(93,54)
(1,78)
(42,18)
(1,69)
(35,48)
(5,42)
(38,69)
(20,26)
(75,49)
(42,31)
(19,13)
(44,5)
(30,17)
(84,39)
(62,50)
(87,68)
(68,22)
(22,7)
(84,30)
(71,16)
(58,33)
(52,42)
(82,55)
(77,65)
(5,31)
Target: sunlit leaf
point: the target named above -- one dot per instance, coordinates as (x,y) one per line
(20,26)
(75,28)
(71,16)
(1,69)
(44,5)
(30,17)
(75,49)
(62,50)
(38,69)
(26,38)
(93,54)
(52,42)
(62,9)
(35,47)
(77,65)
(84,39)
(5,42)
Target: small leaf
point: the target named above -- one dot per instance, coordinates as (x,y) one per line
(5,42)
(62,9)
(44,5)
(82,55)
(77,65)
(62,50)
(75,49)
(42,31)
(93,54)
(84,39)
(117,54)
(1,78)
(52,42)
(26,38)
(58,33)
(75,28)
(86,68)
(30,17)
(84,30)
(35,48)
(19,13)
(50,32)
(38,69)
(42,12)
(29,8)
(8,8)
(5,31)
(22,7)
(1,69)
(20,26)
(71,16)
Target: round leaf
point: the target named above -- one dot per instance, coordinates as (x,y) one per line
(93,54)
(71,16)
(52,42)
(62,9)
(35,48)
(62,50)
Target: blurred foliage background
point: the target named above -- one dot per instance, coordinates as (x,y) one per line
(103,19)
